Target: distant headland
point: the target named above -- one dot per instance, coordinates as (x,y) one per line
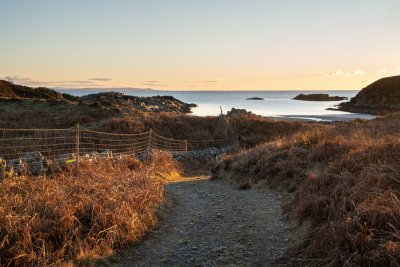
(379,98)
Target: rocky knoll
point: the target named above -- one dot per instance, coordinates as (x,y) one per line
(13,91)
(319,97)
(111,101)
(146,104)
(379,98)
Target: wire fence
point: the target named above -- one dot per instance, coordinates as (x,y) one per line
(22,147)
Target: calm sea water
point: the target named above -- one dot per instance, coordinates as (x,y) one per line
(275,103)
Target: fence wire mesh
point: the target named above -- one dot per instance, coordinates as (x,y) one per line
(78,141)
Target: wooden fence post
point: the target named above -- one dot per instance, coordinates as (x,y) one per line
(77,136)
(186,146)
(150,137)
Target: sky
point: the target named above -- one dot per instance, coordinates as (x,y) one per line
(200,44)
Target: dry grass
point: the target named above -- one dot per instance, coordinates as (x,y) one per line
(251,129)
(67,219)
(346,182)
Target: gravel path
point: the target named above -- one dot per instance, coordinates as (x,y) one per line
(210,223)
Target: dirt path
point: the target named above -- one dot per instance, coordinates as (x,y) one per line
(210,223)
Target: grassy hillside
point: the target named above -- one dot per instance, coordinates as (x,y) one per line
(345,180)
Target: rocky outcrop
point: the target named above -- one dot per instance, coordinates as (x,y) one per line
(112,102)
(238,113)
(379,98)
(319,97)
(146,104)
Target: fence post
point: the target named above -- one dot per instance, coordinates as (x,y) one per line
(186,146)
(77,134)
(150,137)
(237,141)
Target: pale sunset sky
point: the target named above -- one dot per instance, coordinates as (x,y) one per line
(200,44)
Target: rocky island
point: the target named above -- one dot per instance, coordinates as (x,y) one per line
(319,97)
(255,98)
(379,98)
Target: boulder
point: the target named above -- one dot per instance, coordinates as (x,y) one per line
(106,154)
(37,168)
(18,165)
(35,162)
(30,157)
(238,112)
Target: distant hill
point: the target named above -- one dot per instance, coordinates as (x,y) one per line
(13,91)
(87,90)
(379,98)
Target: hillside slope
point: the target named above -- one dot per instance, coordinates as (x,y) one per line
(379,98)
(12,91)
(344,180)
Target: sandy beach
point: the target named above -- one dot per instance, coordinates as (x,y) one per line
(327,118)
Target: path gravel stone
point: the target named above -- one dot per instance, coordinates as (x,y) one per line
(211,223)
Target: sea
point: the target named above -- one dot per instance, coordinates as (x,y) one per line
(276,104)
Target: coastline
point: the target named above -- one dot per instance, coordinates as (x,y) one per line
(324,118)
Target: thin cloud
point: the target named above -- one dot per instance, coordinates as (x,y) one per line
(336,73)
(397,69)
(17,78)
(34,82)
(151,81)
(81,82)
(100,79)
(355,73)
(383,70)
(211,81)
(154,84)
(350,73)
